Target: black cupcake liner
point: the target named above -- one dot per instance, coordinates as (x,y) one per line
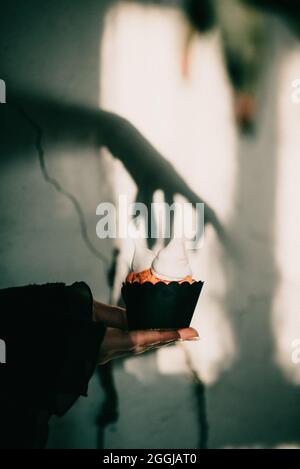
(160,306)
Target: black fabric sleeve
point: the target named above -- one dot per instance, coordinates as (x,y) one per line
(51,344)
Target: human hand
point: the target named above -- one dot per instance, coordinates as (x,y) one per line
(119,342)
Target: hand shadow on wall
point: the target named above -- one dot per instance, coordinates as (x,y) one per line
(73,124)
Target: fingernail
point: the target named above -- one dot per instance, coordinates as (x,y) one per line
(188,334)
(194,338)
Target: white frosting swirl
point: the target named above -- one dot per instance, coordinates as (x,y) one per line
(171,263)
(142,258)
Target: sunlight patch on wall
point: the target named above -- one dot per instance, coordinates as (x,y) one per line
(190,121)
(286,316)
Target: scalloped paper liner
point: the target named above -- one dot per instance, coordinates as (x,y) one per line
(160,306)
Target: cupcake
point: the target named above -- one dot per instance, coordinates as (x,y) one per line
(160,292)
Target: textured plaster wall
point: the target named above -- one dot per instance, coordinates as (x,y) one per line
(240,394)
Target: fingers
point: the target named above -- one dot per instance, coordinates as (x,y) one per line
(146,338)
(111,316)
(129,341)
(144,341)
(118,342)
(188,333)
(104,358)
(142,349)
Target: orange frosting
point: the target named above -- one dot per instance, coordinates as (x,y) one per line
(147,276)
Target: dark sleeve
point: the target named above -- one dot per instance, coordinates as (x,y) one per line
(51,344)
